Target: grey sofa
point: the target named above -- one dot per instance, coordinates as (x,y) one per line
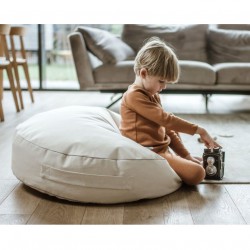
(213,58)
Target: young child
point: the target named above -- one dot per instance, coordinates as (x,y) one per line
(145,121)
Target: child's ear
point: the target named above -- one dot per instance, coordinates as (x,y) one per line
(143,73)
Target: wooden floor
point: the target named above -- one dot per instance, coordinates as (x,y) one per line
(204,204)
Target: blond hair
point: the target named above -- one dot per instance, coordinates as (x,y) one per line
(158,59)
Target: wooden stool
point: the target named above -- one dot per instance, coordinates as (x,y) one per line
(20,61)
(6,64)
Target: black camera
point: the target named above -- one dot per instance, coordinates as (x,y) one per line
(213,163)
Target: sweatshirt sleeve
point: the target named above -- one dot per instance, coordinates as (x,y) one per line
(139,102)
(177,145)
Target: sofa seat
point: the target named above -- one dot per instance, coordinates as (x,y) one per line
(197,73)
(233,73)
(193,72)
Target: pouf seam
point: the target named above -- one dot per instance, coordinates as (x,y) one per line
(84,155)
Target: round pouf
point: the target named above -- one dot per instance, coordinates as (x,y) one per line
(77,153)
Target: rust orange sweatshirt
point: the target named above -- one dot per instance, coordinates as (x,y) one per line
(145,121)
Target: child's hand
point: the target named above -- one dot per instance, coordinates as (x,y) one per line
(207,139)
(194,159)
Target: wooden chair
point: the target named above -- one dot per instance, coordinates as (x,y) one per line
(6,64)
(16,61)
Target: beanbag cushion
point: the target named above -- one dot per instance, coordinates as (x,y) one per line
(77,153)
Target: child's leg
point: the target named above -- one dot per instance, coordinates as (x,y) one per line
(190,172)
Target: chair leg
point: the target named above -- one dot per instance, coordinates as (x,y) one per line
(26,71)
(206,97)
(18,84)
(115,101)
(1,84)
(1,111)
(12,87)
(1,96)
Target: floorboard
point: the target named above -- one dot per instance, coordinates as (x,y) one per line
(6,187)
(144,212)
(211,204)
(54,211)
(20,201)
(103,215)
(241,197)
(175,208)
(14,219)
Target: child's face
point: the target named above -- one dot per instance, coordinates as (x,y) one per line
(154,84)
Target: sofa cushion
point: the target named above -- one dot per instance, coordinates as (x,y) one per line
(233,73)
(229,45)
(106,46)
(193,72)
(122,72)
(189,41)
(78,153)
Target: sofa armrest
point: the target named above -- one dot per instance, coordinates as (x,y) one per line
(81,59)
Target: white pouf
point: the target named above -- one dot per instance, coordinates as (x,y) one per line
(77,153)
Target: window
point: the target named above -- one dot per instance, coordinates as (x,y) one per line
(49,57)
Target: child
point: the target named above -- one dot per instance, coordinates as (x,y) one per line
(145,121)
